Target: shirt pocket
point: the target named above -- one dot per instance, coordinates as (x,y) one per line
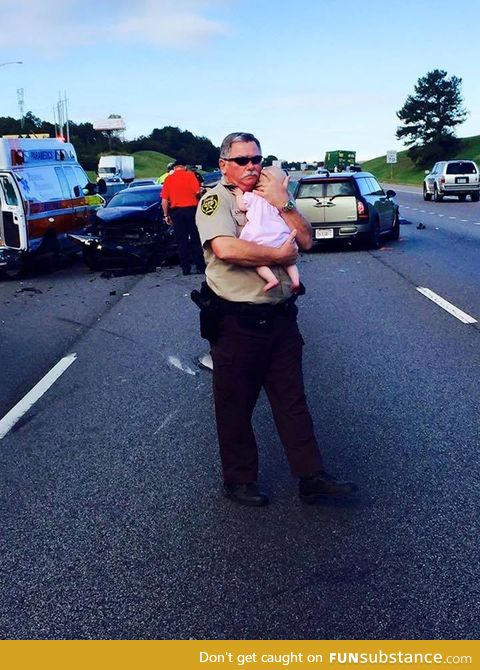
(240,219)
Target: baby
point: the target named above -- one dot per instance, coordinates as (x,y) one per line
(265,226)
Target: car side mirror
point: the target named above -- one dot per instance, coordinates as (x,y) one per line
(101,186)
(89,189)
(391,193)
(76,191)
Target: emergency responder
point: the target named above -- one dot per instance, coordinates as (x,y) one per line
(253,334)
(163,176)
(180,194)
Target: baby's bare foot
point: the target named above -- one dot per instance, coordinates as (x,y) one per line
(271,284)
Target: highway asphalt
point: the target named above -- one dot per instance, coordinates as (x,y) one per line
(113,522)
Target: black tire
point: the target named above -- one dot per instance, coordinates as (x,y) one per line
(15,271)
(462,197)
(375,239)
(91,258)
(475,197)
(426,194)
(436,195)
(395,232)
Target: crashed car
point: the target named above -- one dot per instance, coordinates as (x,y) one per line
(129,232)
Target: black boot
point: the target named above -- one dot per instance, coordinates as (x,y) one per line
(246,494)
(321,484)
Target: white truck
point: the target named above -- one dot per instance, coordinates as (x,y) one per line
(115,168)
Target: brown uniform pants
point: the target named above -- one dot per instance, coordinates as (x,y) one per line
(245,360)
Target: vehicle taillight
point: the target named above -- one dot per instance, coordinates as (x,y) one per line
(362,211)
(442,180)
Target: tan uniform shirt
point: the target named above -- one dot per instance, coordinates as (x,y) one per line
(218,215)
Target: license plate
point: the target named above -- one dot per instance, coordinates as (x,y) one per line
(324,233)
(462,180)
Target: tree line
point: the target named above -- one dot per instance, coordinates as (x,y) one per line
(429,118)
(90,143)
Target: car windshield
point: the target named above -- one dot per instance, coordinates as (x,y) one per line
(326,189)
(461,168)
(132,198)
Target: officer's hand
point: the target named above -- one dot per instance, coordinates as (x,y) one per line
(273,191)
(288,252)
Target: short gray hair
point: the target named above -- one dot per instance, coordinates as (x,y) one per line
(236,137)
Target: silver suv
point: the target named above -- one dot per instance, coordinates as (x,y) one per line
(348,205)
(458,178)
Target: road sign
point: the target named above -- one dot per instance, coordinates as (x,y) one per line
(391,156)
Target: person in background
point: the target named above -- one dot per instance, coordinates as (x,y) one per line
(163,176)
(180,194)
(253,334)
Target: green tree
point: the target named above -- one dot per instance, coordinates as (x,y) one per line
(430,116)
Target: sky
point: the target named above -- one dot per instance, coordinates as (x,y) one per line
(304,77)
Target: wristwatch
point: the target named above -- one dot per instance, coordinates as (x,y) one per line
(289,206)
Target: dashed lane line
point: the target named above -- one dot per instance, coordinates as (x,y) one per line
(11,418)
(447,306)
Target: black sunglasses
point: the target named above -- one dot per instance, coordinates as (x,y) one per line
(245,160)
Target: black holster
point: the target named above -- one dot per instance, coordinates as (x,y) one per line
(210,312)
(252,316)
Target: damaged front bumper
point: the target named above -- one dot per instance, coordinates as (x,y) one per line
(102,251)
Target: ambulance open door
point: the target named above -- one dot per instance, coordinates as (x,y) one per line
(13,234)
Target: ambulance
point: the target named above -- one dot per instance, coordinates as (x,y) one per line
(44,195)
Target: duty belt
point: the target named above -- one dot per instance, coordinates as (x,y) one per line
(256,310)
(259,317)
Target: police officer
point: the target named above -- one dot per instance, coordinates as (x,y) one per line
(256,342)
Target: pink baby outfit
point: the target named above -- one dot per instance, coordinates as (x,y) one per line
(264,223)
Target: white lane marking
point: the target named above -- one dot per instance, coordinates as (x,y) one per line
(464,220)
(11,418)
(452,217)
(441,302)
(440,214)
(475,223)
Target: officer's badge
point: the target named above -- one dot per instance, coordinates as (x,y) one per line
(210,204)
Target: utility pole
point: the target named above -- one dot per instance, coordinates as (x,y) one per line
(62,114)
(57,129)
(66,115)
(21,107)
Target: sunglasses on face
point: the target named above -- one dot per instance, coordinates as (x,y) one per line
(245,160)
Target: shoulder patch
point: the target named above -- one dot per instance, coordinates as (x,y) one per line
(210,204)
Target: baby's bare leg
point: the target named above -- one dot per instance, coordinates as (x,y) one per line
(266,273)
(292,271)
